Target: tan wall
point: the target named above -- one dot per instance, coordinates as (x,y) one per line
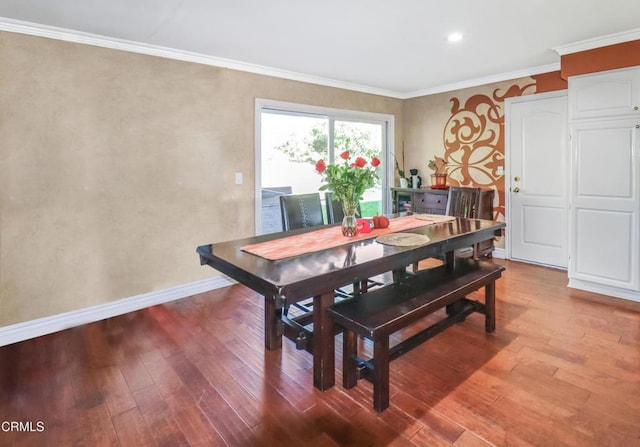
(114,166)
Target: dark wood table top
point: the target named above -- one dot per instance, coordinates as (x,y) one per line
(309,274)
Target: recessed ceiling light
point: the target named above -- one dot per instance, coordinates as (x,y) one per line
(455,37)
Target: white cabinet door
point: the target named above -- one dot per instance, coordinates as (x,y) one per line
(607,94)
(605,204)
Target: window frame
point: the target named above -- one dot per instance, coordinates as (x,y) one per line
(387,122)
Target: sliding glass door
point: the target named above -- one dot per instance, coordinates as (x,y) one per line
(292,138)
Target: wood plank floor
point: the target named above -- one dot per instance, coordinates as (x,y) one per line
(562,369)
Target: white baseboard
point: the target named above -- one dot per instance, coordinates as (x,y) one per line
(604,290)
(47,325)
(498,253)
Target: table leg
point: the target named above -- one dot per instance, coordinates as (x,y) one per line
(449,261)
(272,324)
(323,343)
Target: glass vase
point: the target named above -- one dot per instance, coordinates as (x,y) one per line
(349,221)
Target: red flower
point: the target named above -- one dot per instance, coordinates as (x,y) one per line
(360,162)
(375,161)
(347,180)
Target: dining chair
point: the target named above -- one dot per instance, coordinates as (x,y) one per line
(301,211)
(463,202)
(305,210)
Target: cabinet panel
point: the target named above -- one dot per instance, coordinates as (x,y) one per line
(605,203)
(606,94)
(605,248)
(604,159)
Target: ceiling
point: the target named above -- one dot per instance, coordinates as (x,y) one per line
(397,48)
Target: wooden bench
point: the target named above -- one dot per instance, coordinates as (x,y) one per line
(379,313)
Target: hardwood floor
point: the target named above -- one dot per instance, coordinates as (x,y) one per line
(562,369)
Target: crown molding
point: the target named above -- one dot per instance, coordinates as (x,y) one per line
(485,80)
(597,42)
(50,32)
(35,29)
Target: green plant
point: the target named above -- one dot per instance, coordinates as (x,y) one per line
(438,165)
(348,181)
(401,173)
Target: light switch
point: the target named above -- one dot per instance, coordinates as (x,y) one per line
(499,170)
(238,178)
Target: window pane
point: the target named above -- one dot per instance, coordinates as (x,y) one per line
(294,137)
(291,144)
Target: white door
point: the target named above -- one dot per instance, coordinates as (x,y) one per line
(538,183)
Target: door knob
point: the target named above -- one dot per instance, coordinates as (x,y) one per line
(516,189)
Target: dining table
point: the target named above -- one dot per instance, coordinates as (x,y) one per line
(292,266)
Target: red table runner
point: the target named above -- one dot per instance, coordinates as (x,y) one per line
(331,237)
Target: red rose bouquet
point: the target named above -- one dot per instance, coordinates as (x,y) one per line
(348,180)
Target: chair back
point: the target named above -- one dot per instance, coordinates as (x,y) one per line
(300,211)
(335,213)
(463,202)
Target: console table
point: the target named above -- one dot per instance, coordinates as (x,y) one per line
(423,200)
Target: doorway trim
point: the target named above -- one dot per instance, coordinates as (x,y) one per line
(388,135)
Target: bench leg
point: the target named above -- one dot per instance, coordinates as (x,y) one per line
(349,361)
(381,374)
(490,307)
